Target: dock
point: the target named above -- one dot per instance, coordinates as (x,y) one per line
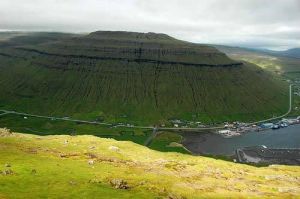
(264,155)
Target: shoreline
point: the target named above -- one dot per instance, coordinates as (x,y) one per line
(214,144)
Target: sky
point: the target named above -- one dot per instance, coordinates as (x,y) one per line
(272,24)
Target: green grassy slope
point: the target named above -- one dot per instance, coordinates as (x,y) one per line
(90,167)
(145,78)
(281,63)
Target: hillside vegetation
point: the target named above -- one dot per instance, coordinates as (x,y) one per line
(286,64)
(146,78)
(90,167)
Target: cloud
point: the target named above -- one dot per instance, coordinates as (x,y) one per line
(262,23)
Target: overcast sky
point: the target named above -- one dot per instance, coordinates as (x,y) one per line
(271,24)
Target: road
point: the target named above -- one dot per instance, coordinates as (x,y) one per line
(70,119)
(100,123)
(3,113)
(150,138)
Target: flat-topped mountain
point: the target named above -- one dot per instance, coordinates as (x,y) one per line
(144,77)
(157,47)
(136,47)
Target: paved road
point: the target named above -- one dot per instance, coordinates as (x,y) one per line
(3,114)
(100,123)
(150,138)
(70,119)
(191,129)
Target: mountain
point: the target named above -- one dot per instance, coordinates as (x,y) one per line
(91,167)
(30,38)
(146,78)
(294,52)
(282,62)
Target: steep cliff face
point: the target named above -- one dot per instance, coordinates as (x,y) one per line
(134,47)
(146,76)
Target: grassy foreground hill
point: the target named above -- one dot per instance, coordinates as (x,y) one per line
(89,167)
(145,78)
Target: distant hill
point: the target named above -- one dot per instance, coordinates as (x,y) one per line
(283,62)
(294,52)
(30,38)
(91,167)
(147,78)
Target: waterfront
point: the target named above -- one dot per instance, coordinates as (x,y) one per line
(210,143)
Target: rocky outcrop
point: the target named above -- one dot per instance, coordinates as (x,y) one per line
(133,59)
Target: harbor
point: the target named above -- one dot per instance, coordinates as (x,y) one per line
(239,128)
(216,144)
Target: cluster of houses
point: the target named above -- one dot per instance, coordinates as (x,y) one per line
(237,128)
(297,88)
(297,92)
(120,124)
(184,124)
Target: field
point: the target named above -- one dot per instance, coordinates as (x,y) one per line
(168,142)
(45,127)
(91,167)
